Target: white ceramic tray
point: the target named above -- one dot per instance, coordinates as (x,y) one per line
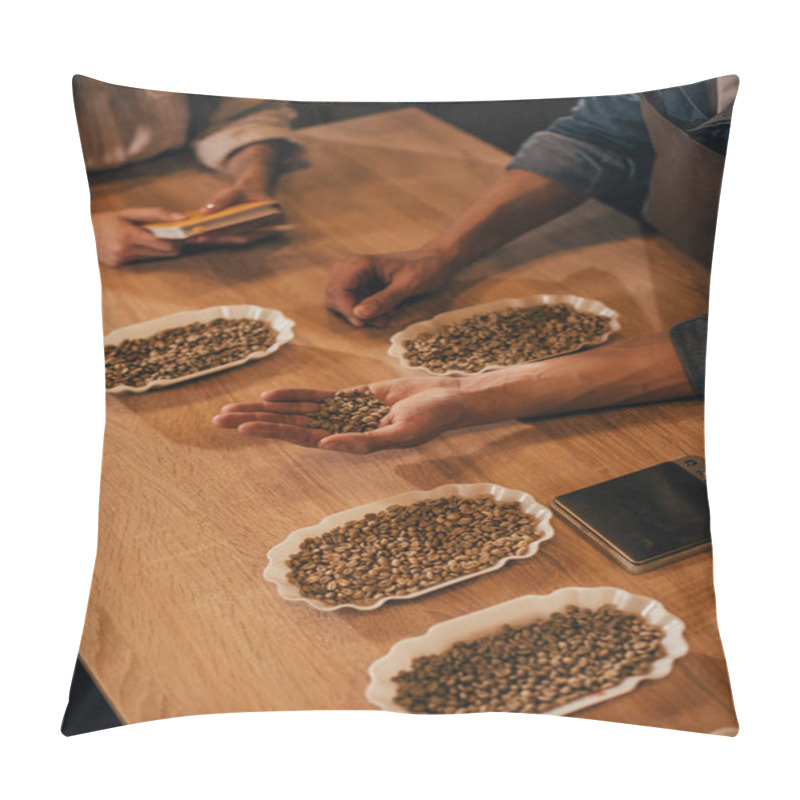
(522,611)
(281,324)
(397,347)
(277,570)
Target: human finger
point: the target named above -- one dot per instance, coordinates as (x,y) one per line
(383,438)
(230,419)
(222,199)
(297,395)
(305,437)
(378,305)
(273,407)
(342,302)
(346,285)
(140,238)
(151,214)
(290,407)
(253,406)
(221,240)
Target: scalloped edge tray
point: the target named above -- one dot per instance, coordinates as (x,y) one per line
(521,611)
(397,347)
(140,330)
(277,570)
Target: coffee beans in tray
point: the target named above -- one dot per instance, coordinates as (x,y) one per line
(533,668)
(181,351)
(349,412)
(405,549)
(505,337)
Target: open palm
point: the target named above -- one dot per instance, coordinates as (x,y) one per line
(420,409)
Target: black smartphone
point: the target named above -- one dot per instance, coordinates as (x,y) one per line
(645,519)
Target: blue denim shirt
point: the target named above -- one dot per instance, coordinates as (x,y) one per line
(603,148)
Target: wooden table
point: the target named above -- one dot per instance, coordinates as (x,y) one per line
(180,620)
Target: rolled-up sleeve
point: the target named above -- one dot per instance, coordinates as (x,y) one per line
(602,148)
(267,122)
(689,341)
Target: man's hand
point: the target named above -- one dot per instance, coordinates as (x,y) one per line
(252,172)
(420,409)
(121,239)
(231,195)
(365,289)
(247,232)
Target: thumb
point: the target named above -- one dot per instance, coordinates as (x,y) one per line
(384,301)
(150,215)
(227,197)
(384,438)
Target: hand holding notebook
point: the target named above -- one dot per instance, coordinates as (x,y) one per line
(265,216)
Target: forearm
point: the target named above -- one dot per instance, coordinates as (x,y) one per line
(518,202)
(253,168)
(629,372)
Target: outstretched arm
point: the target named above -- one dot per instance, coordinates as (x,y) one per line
(628,372)
(601,149)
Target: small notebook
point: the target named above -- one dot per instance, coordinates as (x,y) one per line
(645,519)
(198,224)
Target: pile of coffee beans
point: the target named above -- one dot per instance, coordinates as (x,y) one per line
(349,412)
(507,337)
(533,668)
(181,351)
(403,549)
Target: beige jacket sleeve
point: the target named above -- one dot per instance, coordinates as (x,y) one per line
(230,123)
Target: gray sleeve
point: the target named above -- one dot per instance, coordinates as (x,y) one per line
(689,340)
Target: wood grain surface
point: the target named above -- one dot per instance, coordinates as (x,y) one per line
(180,620)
